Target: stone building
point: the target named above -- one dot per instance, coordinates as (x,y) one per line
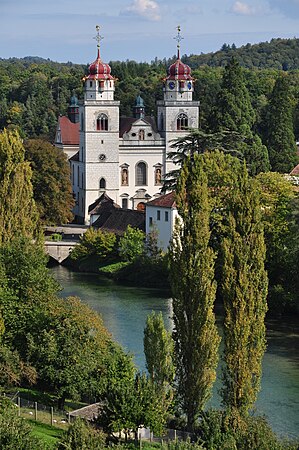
(125,157)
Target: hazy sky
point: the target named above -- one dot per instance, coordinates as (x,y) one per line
(62,30)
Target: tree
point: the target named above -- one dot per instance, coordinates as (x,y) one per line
(101,244)
(234,113)
(131,244)
(280,137)
(193,289)
(15,432)
(244,287)
(52,188)
(18,213)
(158,350)
(82,436)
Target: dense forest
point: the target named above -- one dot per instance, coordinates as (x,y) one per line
(34,91)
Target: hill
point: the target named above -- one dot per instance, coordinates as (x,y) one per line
(281,54)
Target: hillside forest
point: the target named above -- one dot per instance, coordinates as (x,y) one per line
(34,91)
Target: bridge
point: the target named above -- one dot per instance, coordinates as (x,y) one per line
(70,237)
(59,250)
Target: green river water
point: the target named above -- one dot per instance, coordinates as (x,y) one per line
(124,310)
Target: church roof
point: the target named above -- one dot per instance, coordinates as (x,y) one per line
(102,204)
(164,201)
(69,131)
(127,122)
(118,220)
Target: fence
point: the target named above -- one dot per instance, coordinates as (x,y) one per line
(40,412)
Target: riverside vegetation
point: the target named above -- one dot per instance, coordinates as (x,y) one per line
(61,346)
(249,218)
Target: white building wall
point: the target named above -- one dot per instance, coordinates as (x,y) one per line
(164,227)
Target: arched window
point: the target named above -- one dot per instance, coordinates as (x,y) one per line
(141,135)
(102,184)
(124,177)
(182,122)
(102,122)
(141,174)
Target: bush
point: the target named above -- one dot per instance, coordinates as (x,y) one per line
(81,436)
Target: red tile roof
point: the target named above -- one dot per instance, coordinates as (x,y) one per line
(69,131)
(164,201)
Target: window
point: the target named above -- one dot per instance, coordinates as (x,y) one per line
(182,122)
(141,174)
(82,122)
(150,221)
(90,84)
(141,206)
(141,135)
(78,175)
(124,203)
(166,216)
(158,215)
(124,177)
(102,122)
(102,184)
(82,180)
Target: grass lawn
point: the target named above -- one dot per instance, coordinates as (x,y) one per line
(49,435)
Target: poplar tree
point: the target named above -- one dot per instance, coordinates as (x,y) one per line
(234,113)
(193,291)
(244,287)
(158,350)
(18,214)
(280,136)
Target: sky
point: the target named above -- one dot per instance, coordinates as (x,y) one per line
(63,30)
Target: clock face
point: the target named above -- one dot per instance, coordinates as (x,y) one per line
(189,85)
(102,157)
(171,85)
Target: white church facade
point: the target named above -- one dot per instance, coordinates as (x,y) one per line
(125,157)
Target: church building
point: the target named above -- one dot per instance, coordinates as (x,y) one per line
(124,157)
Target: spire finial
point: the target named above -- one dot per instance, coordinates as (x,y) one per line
(98,38)
(178,38)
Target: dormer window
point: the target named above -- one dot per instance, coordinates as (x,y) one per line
(182,122)
(102,122)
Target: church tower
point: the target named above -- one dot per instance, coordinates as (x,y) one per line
(177,112)
(98,165)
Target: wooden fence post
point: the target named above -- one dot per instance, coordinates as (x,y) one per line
(52,416)
(35,410)
(19,406)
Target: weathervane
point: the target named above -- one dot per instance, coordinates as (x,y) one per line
(178,38)
(98,38)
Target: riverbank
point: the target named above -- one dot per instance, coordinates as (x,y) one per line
(140,273)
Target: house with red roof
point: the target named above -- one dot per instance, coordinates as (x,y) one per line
(161,215)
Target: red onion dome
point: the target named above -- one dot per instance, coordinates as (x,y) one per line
(98,70)
(179,71)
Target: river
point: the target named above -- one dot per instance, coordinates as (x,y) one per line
(124,311)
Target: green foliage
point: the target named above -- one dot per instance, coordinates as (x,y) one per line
(55,237)
(233,112)
(158,350)
(133,402)
(18,214)
(95,242)
(218,431)
(244,288)
(52,188)
(15,433)
(279,205)
(131,244)
(81,436)
(193,289)
(280,137)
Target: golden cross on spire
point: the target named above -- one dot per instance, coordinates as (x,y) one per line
(98,37)
(178,38)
